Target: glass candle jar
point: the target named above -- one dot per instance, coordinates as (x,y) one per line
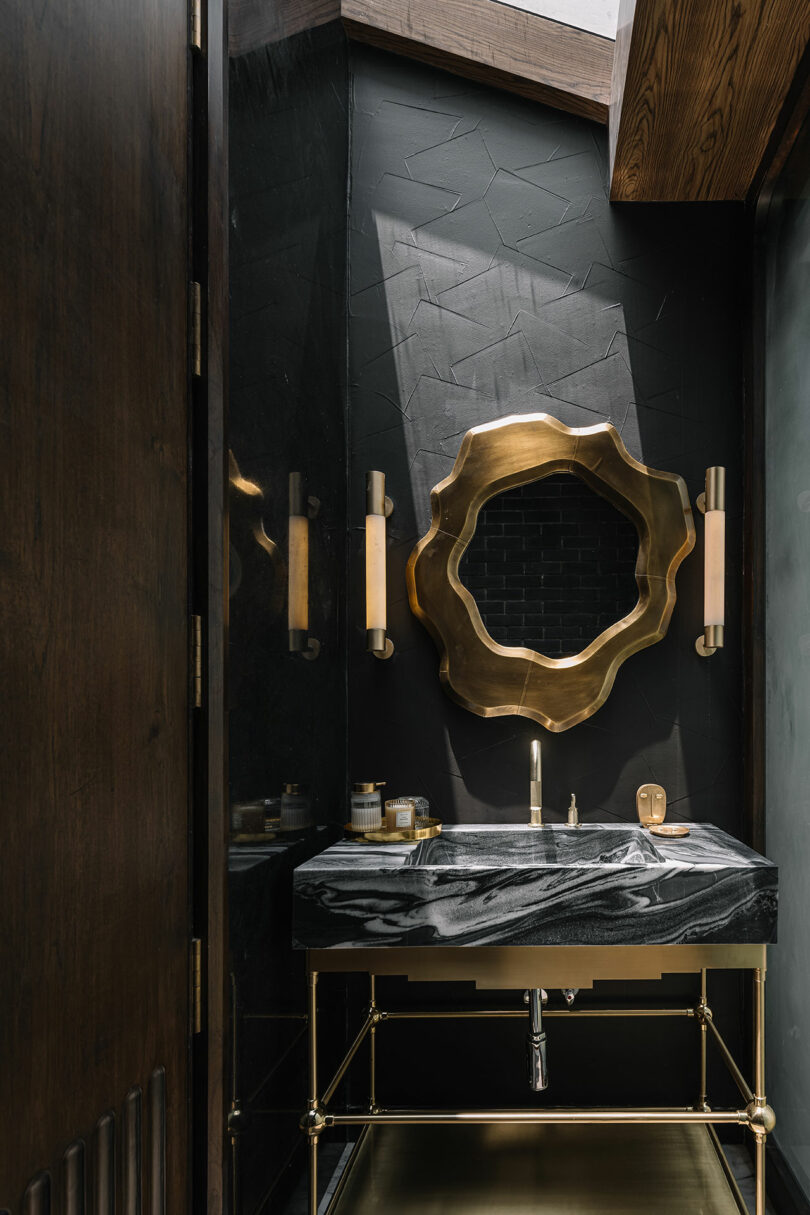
(400,814)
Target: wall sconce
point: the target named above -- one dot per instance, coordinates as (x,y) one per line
(713,505)
(302,509)
(378,508)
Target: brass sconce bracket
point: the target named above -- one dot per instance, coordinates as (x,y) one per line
(312,651)
(494,680)
(382,647)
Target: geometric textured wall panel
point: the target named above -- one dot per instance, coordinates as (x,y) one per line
(490,276)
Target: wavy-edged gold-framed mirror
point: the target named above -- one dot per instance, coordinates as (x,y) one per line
(494,680)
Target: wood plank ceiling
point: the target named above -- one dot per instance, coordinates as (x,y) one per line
(692,90)
(698,88)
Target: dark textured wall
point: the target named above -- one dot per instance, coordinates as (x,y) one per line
(288,172)
(787,543)
(288,153)
(551,565)
(490,276)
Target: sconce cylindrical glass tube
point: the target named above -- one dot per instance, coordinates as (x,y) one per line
(376,600)
(298,565)
(535,784)
(298,607)
(714,572)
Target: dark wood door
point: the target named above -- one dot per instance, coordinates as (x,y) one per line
(94,869)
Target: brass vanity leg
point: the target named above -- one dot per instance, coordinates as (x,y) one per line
(372,1008)
(313,1121)
(760,1115)
(703,1014)
(313,1174)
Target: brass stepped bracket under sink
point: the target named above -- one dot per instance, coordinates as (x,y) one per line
(560,967)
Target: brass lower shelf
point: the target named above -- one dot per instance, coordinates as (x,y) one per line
(532,1170)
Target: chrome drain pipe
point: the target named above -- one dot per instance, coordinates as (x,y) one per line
(535,997)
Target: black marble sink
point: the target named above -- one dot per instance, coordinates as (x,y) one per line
(536,846)
(599,884)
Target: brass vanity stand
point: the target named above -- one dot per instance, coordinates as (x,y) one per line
(522,967)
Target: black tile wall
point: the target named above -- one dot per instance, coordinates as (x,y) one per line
(490,276)
(551,565)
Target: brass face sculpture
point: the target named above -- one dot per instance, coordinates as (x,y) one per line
(495,680)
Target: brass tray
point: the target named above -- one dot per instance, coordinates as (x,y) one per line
(669,831)
(425,829)
(253,837)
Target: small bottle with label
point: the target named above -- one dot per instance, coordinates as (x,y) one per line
(296,813)
(367,805)
(247,818)
(272,814)
(400,814)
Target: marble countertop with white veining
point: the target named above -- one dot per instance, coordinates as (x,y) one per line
(516,885)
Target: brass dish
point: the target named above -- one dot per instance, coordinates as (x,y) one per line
(491,679)
(425,829)
(253,837)
(669,831)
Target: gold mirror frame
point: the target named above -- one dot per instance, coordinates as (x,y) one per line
(494,680)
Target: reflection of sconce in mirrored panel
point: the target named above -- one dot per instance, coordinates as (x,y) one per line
(713,505)
(301,510)
(246,525)
(378,508)
(239,482)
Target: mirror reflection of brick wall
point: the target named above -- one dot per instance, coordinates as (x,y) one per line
(551,566)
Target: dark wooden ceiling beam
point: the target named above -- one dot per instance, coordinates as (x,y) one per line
(694,89)
(697,90)
(545,60)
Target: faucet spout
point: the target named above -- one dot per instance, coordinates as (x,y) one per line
(536,1041)
(535,785)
